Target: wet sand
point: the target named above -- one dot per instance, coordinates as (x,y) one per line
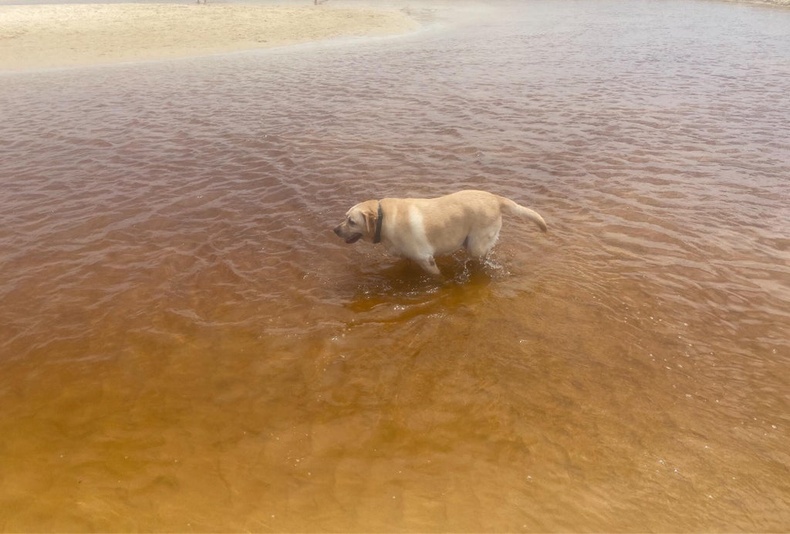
(776,3)
(44,36)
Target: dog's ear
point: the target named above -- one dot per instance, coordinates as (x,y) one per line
(370,220)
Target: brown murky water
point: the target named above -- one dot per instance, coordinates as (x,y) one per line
(185,345)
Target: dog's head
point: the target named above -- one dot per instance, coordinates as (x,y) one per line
(360,222)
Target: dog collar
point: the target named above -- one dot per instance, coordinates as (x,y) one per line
(379,219)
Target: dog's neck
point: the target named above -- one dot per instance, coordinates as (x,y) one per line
(379,220)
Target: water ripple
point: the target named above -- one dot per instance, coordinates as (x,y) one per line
(166,253)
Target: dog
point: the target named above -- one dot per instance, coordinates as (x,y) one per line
(422,228)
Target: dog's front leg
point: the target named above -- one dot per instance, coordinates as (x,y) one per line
(429,264)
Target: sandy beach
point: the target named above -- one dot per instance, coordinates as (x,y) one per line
(45,36)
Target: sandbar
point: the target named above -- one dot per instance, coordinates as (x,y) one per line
(68,35)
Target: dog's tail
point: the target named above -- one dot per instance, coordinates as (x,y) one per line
(516,209)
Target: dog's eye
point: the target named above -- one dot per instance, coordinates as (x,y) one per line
(351,222)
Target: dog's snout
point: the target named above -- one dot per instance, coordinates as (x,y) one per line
(337,230)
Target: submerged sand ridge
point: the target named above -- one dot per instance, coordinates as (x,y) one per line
(42,36)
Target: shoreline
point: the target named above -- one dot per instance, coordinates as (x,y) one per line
(48,36)
(767,3)
(56,36)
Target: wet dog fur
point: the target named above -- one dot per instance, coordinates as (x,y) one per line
(421,228)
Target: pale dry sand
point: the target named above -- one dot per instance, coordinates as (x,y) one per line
(64,35)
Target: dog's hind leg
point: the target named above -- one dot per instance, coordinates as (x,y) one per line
(480,241)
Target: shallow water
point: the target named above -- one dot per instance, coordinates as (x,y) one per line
(185,345)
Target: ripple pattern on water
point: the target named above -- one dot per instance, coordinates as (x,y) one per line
(184,342)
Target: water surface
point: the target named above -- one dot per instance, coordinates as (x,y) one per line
(185,345)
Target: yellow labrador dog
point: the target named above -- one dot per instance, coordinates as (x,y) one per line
(421,228)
